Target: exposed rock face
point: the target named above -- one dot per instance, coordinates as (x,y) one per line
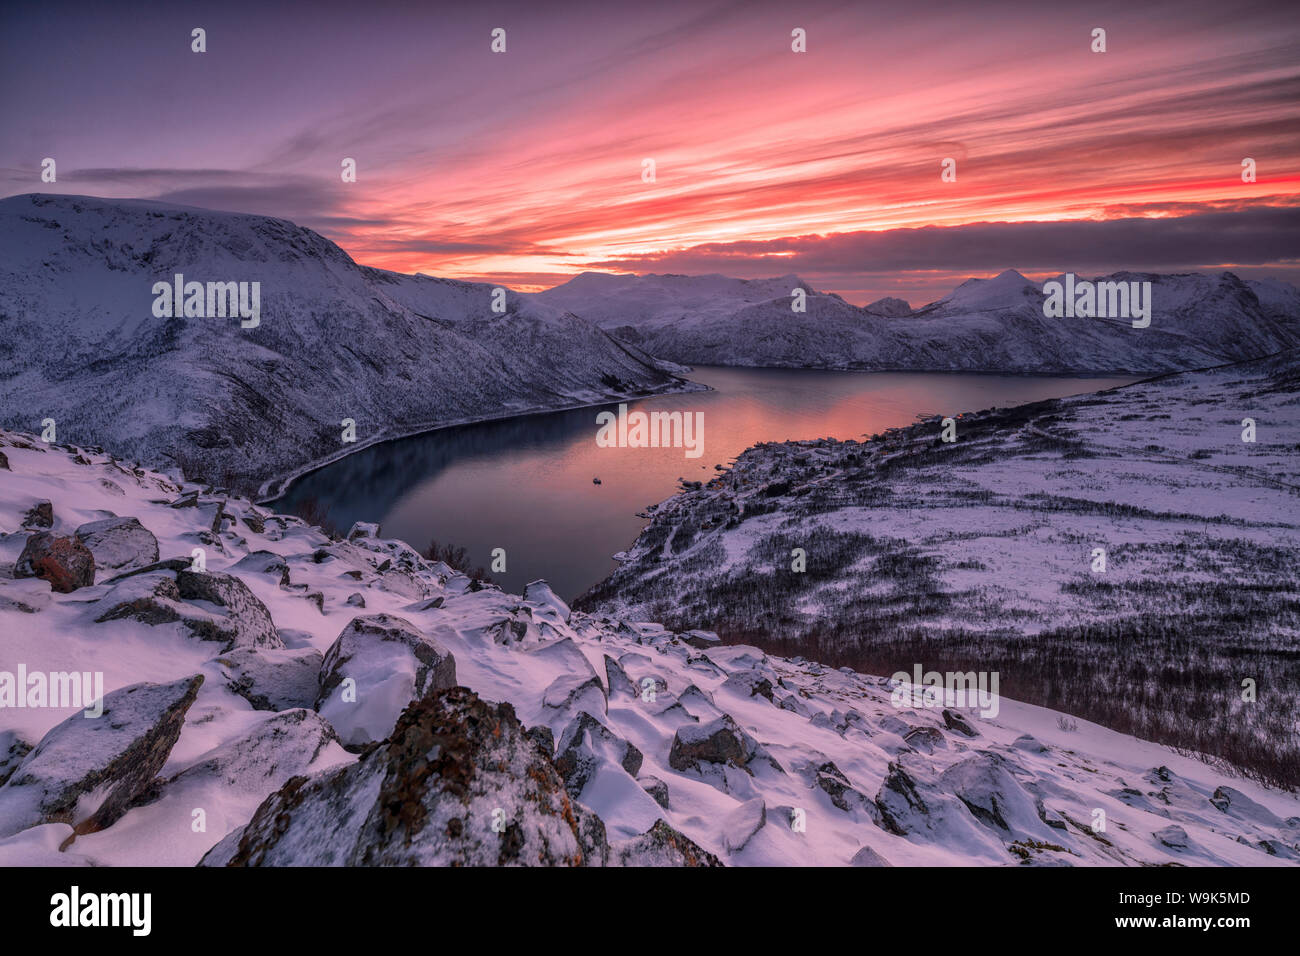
(118,543)
(584,745)
(661,845)
(40,515)
(238,619)
(382,662)
(86,771)
(245,613)
(274,679)
(457,783)
(65,562)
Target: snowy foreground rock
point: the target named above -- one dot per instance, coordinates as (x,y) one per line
(244,703)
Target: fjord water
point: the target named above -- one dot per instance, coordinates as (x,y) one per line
(525,484)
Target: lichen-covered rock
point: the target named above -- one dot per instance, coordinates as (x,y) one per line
(65,562)
(458,783)
(661,845)
(88,770)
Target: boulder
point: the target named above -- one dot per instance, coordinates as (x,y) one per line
(702,639)
(831,781)
(118,543)
(985,784)
(1174,837)
(541,594)
(958,724)
(749,683)
(242,611)
(741,823)
(575,692)
(65,562)
(86,772)
(274,678)
(388,662)
(714,745)
(616,679)
(657,789)
(40,515)
(868,857)
(264,758)
(363,529)
(457,783)
(264,562)
(926,739)
(661,845)
(585,745)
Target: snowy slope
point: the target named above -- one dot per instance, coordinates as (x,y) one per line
(983,550)
(396,354)
(731,744)
(991,325)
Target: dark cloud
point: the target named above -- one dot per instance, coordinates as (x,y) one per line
(1255,236)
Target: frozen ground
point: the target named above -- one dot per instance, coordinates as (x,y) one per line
(750,757)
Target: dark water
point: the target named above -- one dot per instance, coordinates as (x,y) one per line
(525,484)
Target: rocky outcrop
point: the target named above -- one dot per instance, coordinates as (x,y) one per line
(87,771)
(118,543)
(274,679)
(585,745)
(457,783)
(65,562)
(378,665)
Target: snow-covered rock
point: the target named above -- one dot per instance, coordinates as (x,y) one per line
(118,543)
(458,782)
(87,770)
(378,665)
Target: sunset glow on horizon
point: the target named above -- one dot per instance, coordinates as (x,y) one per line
(525,168)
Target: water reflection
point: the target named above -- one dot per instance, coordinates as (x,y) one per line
(525,484)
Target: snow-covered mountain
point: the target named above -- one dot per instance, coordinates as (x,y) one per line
(394,353)
(308,700)
(994,325)
(1128,556)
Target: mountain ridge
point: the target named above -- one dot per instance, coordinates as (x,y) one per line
(984,325)
(336,340)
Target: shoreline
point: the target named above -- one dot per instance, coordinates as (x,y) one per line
(275,488)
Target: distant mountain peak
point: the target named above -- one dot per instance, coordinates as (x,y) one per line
(890,306)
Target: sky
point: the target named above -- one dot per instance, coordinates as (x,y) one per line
(526,167)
